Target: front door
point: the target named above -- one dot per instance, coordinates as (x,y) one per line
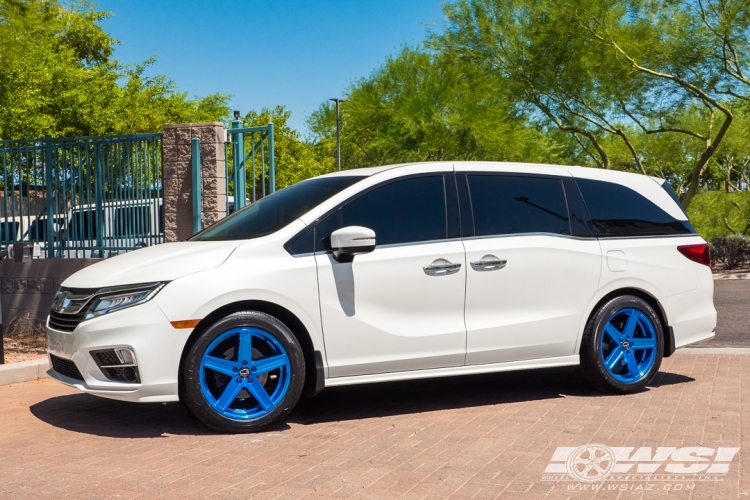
(529,279)
(400,307)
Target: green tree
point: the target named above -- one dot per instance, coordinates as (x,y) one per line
(598,69)
(58,78)
(421,106)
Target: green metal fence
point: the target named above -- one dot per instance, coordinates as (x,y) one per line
(82,196)
(251,154)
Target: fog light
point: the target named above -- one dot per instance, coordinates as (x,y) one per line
(127,356)
(129,374)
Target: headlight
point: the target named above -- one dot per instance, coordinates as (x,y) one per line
(121,297)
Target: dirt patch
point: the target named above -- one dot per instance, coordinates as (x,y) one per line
(719,269)
(24,339)
(24,348)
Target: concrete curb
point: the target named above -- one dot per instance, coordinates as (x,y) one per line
(713,350)
(24,371)
(732,276)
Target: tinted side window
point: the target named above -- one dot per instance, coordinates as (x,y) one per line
(505,204)
(271,213)
(302,243)
(666,187)
(405,211)
(617,210)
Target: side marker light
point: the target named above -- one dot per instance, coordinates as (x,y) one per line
(188,323)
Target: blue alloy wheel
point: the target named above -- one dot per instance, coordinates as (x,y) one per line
(628,345)
(244,373)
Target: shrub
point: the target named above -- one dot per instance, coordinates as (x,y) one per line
(732,251)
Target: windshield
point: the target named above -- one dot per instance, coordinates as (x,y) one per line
(275,211)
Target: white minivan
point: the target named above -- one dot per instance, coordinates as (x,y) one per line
(392,273)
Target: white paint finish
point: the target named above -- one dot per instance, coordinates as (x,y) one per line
(382,313)
(257,270)
(151,393)
(143,328)
(163,262)
(616,261)
(384,318)
(691,314)
(570,360)
(533,307)
(352,237)
(654,261)
(510,167)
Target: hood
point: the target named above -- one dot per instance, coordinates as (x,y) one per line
(165,262)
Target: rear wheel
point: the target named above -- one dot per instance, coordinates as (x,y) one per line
(244,373)
(622,346)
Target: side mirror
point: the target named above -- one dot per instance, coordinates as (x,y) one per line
(350,241)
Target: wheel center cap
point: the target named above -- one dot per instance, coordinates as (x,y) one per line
(244,372)
(625,344)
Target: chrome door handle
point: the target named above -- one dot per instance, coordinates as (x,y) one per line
(441,267)
(488,263)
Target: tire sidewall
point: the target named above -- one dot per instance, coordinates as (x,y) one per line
(593,354)
(196,401)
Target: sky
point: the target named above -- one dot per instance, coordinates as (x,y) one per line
(293,52)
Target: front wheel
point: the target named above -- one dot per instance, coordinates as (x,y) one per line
(244,373)
(622,345)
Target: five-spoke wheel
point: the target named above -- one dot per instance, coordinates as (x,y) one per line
(628,345)
(244,372)
(623,345)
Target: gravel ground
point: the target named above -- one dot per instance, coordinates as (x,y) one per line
(24,348)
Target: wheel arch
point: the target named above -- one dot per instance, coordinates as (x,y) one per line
(669,342)
(314,374)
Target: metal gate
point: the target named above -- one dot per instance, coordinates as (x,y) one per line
(82,196)
(251,154)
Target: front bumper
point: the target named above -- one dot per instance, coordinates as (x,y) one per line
(144,329)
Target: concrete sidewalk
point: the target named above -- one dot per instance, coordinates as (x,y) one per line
(488,436)
(14,373)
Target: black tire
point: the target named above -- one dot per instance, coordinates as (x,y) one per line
(195,399)
(592,362)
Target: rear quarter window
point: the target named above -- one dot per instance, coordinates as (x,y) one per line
(618,211)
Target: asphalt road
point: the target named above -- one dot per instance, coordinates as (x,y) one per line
(732,301)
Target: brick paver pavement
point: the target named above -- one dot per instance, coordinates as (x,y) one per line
(488,436)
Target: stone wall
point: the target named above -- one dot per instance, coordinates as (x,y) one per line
(27,290)
(176,158)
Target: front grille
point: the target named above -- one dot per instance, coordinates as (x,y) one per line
(69,307)
(65,367)
(65,322)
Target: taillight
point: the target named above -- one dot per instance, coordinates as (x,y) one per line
(697,253)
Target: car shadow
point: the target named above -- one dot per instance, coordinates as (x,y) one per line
(436,394)
(103,417)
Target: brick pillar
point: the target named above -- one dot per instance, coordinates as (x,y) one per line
(176,156)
